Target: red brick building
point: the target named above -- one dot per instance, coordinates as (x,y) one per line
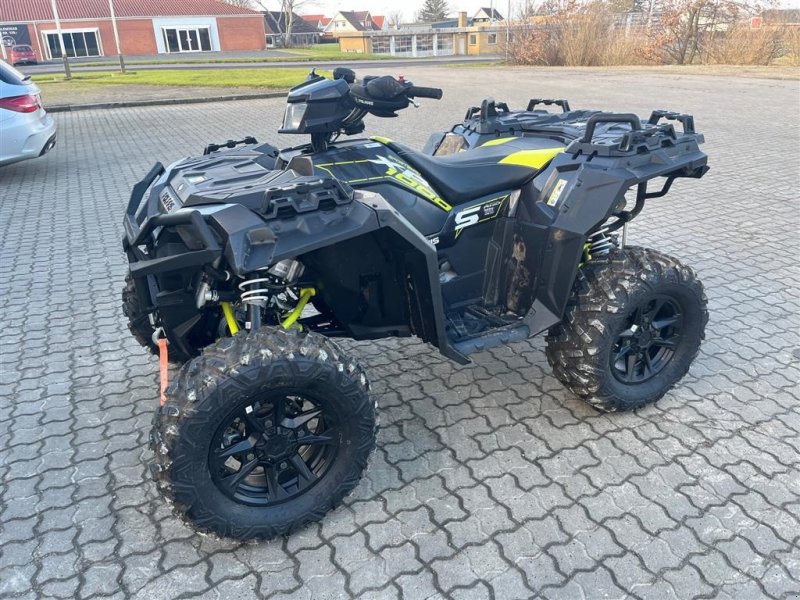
(145,27)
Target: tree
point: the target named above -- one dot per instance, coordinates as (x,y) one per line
(288,10)
(433,10)
(686,26)
(526,10)
(395,18)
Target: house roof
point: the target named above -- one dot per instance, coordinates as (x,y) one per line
(447,23)
(488,12)
(275,23)
(40,10)
(316,20)
(356,18)
(378,20)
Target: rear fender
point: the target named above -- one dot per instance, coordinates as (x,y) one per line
(575,198)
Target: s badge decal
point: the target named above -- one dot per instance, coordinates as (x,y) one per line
(478,214)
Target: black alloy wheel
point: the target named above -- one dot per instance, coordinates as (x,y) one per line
(631,329)
(264,432)
(273,451)
(648,344)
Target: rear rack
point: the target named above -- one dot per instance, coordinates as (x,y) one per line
(582,131)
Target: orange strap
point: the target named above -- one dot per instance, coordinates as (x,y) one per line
(163,363)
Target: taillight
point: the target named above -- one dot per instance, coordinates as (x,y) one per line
(23,104)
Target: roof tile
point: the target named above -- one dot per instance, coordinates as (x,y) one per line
(39,10)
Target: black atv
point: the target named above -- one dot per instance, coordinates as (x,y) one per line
(246,262)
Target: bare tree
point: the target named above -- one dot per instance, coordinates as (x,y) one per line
(686,27)
(288,13)
(395,18)
(289,7)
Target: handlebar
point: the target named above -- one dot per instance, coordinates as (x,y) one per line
(424,92)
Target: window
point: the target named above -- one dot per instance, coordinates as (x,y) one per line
(492,39)
(205,39)
(424,45)
(473,39)
(444,43)
(402,45)
(76,43)
(10,75)
(187,39)
(381,44)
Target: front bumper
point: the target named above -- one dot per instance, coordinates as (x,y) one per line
(142,217)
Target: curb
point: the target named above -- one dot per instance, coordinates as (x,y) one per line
(59,108)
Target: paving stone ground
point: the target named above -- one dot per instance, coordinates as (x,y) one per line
(490,480)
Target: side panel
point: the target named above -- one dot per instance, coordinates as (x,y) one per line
(373,166)
(384,282)
(469,252)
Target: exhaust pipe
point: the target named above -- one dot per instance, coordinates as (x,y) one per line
(51,143)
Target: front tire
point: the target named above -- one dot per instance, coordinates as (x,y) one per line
(631,330)
(263,433)
(139,323)
(138,320)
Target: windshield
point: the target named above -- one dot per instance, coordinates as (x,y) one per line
(22,48)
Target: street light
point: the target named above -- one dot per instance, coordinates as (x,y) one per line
(67,73)
(508,28)
(116,35)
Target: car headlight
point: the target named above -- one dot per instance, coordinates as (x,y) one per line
(294,116)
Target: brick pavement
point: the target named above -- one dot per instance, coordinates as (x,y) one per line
(490,480)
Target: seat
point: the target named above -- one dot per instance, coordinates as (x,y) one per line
(501,164)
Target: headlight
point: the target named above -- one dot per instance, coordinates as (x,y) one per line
(294,116)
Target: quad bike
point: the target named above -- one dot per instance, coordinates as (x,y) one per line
(246,263)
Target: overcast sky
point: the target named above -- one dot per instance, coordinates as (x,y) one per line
(410,7)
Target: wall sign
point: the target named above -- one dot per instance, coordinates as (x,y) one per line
(15,34)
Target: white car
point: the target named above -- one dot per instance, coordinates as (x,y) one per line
(26,130)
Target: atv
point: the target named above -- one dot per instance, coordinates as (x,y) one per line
(247,262)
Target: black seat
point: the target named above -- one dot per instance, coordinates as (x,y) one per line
(501,165)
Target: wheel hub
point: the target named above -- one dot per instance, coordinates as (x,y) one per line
(276,445)
(647,345)
(644,337)
(256,456)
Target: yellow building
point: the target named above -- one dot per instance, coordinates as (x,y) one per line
(480,38)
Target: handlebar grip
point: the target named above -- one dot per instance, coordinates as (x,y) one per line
(424,92)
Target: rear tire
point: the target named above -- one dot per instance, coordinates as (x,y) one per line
(631,330)
(263,433)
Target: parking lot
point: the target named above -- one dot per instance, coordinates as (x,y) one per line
(490,480)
